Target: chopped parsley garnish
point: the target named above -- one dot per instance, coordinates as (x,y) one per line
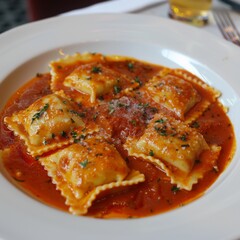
(195,125)
(116,89)
(38,114)
(175,189)
(161,130)
(151,153)
(96,69)
(137,80)
(143,105)
(64,134)
(111,108)
(119,104)
(74,134)
(95,116)
(84,163)
(76,137)
(183,137)
(130,66)
(82,136)
(161,120)
(53,135)
(82,114)
(133,122)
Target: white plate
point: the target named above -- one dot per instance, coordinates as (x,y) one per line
(27,50)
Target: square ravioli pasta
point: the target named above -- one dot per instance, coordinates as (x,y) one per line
(176,148)
(181,92)
(63,67)
(83,170)
(96,80)
(88,77)
(173,93)
(46,124)
(93,79)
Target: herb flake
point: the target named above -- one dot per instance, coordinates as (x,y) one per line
(175,189)
(161,130)
(96,69)
(184,137)
(116,89)
(38,114)
(137,80)
(151,153)
(130,66)
(84,163)
(82,114)
(195,125)
(161,120)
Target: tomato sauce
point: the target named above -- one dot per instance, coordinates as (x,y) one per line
(129,118)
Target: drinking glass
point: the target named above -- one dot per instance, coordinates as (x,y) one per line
(192,11)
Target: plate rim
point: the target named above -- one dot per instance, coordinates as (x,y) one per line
(32,31)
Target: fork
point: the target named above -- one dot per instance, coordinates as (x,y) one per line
(227,26)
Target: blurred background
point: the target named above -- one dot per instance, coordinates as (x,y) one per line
(12,13)
(17,12)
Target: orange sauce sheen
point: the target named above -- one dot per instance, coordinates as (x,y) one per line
(156,194)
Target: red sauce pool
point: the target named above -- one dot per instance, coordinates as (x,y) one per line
(155,195)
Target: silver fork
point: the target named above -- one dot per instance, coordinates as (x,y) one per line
(227,26)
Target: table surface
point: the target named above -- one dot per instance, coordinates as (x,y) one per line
(161,10)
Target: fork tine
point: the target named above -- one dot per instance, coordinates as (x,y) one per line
(230,27)
(220,24)
(227,26)
(233,25)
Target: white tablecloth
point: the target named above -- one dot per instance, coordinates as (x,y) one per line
(158,8)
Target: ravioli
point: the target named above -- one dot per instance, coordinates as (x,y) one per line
(46,124)
(93,79)
(173,93)
(88,74)
(114,135)
(174,147)
(82,170)
(181,92)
